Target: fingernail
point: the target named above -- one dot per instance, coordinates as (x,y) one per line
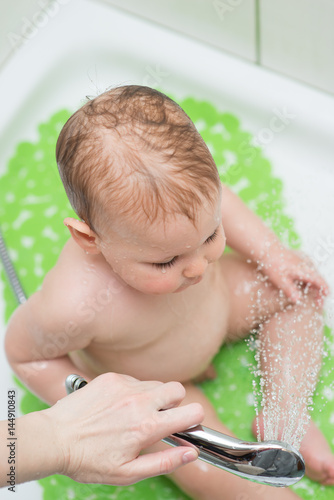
(189,456)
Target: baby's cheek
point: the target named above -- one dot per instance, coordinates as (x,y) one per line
(159,285)
(219,248)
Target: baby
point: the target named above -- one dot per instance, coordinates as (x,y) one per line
(142,286)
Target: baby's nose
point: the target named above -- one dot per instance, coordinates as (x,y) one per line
(196,268)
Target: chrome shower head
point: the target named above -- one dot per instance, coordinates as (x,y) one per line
(268,462)
(273,463)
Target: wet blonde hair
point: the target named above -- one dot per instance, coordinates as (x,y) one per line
(133,153)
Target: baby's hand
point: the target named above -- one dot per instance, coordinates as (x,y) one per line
(291,271)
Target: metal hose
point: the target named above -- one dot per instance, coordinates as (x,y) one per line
(11,273)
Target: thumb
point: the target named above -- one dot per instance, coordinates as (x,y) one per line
(161,462)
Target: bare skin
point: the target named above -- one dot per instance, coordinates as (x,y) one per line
(118,304)
(65,437)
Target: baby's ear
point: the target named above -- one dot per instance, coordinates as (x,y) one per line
(83,235)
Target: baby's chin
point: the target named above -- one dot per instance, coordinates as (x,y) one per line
(159,290)
(165,291)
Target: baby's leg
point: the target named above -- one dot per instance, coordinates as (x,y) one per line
(290,338)
(206,482)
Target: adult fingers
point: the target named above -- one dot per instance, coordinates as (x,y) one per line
(118,385)
(169,395)
(178,419)
(161,424)
(155,464)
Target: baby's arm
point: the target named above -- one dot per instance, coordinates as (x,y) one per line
(39,337)
(245,231)
(247,234)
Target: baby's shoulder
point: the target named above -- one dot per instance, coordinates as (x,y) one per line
(82,290)
(70,283)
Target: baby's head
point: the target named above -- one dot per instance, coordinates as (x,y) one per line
(132,158)
(133,154)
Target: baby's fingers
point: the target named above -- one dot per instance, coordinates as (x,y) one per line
(314,280)
(290,289)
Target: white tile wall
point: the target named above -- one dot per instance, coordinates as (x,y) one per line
(297,39)
(227,24)
(293,37)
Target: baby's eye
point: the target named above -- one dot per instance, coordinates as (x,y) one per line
(164,265)
(212,237)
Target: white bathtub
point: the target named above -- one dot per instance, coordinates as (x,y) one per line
(89,46)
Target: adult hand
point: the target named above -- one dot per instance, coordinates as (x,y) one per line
(101,429)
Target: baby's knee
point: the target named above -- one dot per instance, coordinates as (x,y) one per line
(201,481)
